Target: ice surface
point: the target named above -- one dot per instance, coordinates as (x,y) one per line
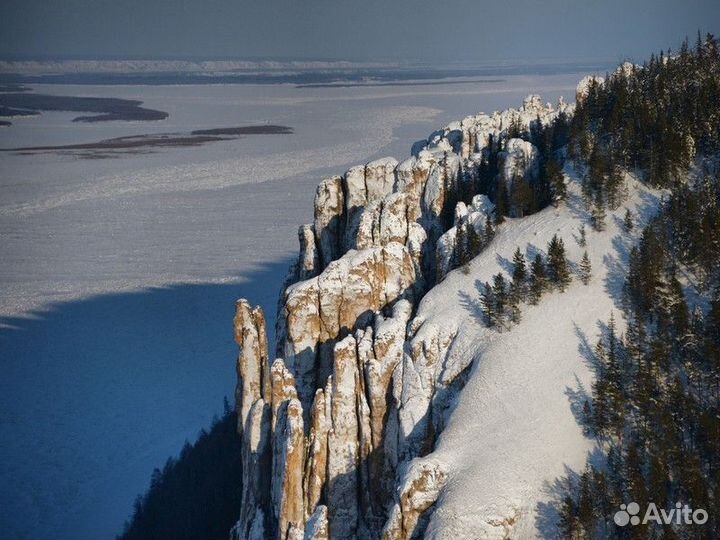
(118,276)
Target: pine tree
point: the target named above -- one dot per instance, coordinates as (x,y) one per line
(597,214)
(475,241)
(601,404)
(680,313)
(586,513)
(538,279)
(519,277)
(628,221)
(489,230)
(613,187)
(634,467)
(487,301)
(567,522)
(556,179)
(557,263)
(582,241)
(461,253)
(514,309)
(501,297)
(585,269)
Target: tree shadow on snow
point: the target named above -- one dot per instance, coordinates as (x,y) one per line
(577,207)
(547,513)
(578,397)
(473,305)
(585,349)
(505,263)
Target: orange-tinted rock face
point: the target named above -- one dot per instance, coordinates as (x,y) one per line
(287,465)
(252,363)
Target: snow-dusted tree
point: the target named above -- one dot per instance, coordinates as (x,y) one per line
(538,279)
(557,263)
(628,221)
(489,230)
(585,269)
(500,293)
(487,302)
(614,187)
(519,276)
(556,179)
(474,241)
(460,254)
(597,212)
(582,240)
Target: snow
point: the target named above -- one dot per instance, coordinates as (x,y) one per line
(119,276)
(514,429)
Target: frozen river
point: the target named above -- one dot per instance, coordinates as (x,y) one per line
(118,274)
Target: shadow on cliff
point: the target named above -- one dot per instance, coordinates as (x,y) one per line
(95,393)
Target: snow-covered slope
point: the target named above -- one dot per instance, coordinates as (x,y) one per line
(515,429)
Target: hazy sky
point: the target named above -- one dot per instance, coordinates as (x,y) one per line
(433,30)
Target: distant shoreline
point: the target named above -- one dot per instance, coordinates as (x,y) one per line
(106,109)
(162,140)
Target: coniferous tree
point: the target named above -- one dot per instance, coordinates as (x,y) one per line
(567,521)
(582,240)
(557,263)
(556,180)
(628,220)
(487,301)
(613,187)
(489,230)
(586,513)
(538,279)
(461,253)
(597,213)
(519,277)
(475,241)
(196,495)
(500,294)
(585,269)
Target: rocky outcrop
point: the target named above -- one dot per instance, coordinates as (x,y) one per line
(518,160)
(253,375)
(470,234)
(287,467)
(256,460)
(347,414)
(329,205)
(334,433)
(308,264)
(419,489)
(342,298)
(365,185)
(481,132)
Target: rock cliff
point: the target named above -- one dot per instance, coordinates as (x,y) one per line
(335,431)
